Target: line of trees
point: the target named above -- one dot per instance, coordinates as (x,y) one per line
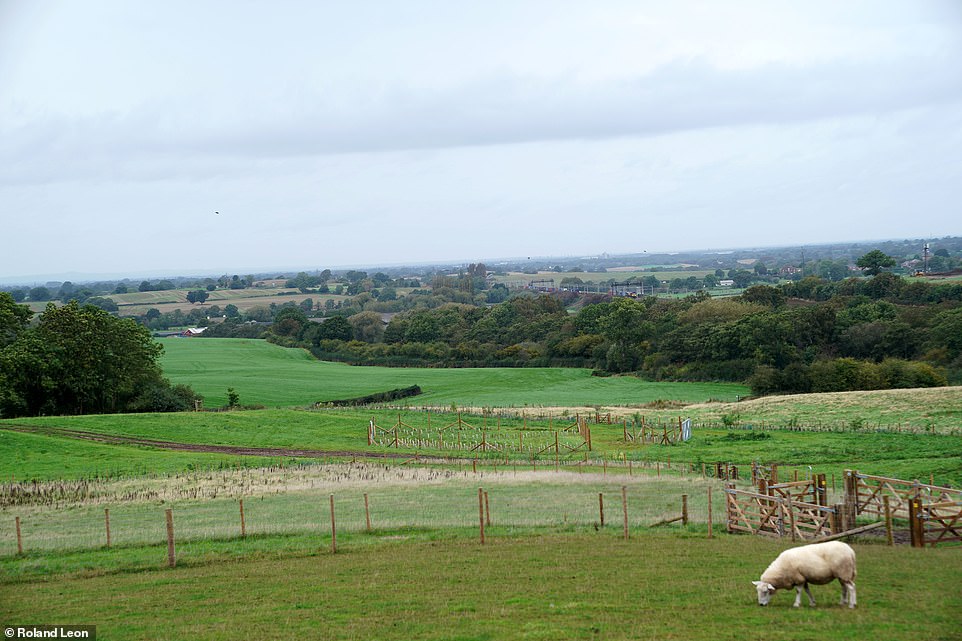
(80,359)
(811,335)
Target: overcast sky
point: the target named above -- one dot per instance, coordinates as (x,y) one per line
(364,133)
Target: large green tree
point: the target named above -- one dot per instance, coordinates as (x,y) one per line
(80,360)
(13,318)
(875,261)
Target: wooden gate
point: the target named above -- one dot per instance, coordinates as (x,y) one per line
(814,490)
(777,515)
(866,492)
(934,523)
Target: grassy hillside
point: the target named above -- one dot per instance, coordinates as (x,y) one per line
(263,373)
(935,409)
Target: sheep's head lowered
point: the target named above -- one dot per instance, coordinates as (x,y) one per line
(815,564)
(765,591)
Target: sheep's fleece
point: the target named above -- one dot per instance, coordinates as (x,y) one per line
(818,563)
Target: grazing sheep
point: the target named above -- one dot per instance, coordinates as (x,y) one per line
(819,563)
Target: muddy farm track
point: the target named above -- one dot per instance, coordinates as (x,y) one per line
(113,439)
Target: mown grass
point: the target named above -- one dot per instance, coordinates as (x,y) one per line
(265,374)
(572,585)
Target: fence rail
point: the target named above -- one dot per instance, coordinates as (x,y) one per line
(799,508)
(779,515)
(935,523)
(867,492)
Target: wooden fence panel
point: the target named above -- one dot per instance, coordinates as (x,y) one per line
(935,523)
(775,515)
(866,492)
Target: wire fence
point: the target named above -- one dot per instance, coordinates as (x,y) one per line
(367,497)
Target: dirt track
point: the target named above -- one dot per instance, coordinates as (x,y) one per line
(113,439)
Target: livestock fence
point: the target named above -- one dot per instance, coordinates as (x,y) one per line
(799,509)
(660,433)
(729,422)
(486,434)
(562,438)
(327,504)
(934,512)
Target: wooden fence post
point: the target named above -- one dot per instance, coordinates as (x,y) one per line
(243,522)
(624,507)
(367,511)
(915,523)
(487,510)
(889,537)
(851,492)
(601,508)
(729,500)
(684,509)
(107,524)
(19,537)
(481,512)
(837,517)
(557,452)
(333,529)
(791,516)
(709,514)
(171,557)
(851,514)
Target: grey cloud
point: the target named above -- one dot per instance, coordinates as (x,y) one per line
(683,96)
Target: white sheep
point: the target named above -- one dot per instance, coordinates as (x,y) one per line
(818,563)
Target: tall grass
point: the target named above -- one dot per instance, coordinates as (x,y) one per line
(295,501)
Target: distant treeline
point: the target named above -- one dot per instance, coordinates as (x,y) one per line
(810,335)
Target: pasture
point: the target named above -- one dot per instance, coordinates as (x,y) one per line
(265,374)
(46,454)
(568,585)
(137,303)
(618,274)
(548,569)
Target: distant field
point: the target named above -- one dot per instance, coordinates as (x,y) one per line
(137,303)
(167,301)
(596,277)
(263,373)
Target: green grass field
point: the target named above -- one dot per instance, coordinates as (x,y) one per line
(601,277)
(46,456)
(548,569)
(571,585)
(265,374)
